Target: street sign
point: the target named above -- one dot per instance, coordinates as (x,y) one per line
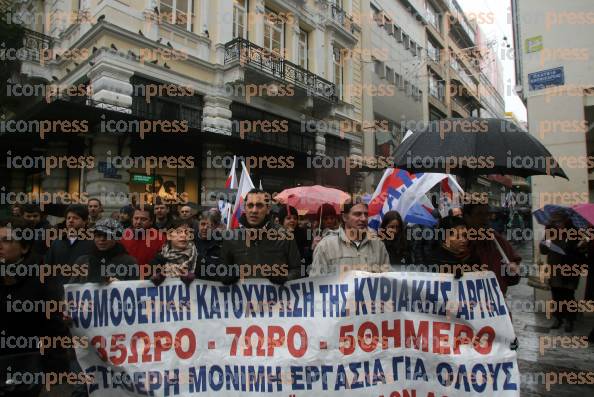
(108,171)
(546,78)
(142,179)
(534,44)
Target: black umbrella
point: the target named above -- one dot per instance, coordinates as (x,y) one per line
(475,146)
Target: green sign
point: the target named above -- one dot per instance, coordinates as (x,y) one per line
(142,179)
(534,44)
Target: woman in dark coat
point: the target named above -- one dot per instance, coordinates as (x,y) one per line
(561,250)
(392,232)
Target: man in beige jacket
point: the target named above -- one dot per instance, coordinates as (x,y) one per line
(354,247)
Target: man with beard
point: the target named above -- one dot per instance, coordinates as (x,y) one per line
(261,248)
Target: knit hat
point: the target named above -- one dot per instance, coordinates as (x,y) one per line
(110,227)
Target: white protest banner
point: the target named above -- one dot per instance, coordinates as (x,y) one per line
(362,334)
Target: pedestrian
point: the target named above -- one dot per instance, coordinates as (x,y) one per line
(327,222)
(489,248)
(95,208)
(16,211)
(260,248)
(108,260)
(455,211)
(392,232)
(186,212)
(142,240)
(355,246)
(451,252)
(288,217)
(162,214)
(75,242)
(563,252)
(126,213)
(178,256)
(32,213)
(209,241)
(28,325)
(216,219)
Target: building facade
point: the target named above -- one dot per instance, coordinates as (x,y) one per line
(210,80)
(555,79)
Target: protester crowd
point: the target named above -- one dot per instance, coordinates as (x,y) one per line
(162,241)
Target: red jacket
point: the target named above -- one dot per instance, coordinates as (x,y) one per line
(145,249)
(486,252)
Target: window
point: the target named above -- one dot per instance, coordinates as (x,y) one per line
(338,71)
(398,34)
(433,16)
(406,41)
(407,87)
(378,16)
(303,49)
(413,48)
(239,18)
(390,74)
(398,79)
(436,87)
(433,51)
(379,68)
(388,27)
(178,12)
(274,29)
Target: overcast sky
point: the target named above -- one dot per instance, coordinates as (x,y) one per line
(497,31)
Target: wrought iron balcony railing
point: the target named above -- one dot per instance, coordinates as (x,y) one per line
(36,45)
(248,54)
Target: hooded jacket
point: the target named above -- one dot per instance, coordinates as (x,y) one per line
(273,256)
(336,253)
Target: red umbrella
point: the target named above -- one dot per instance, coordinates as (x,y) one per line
(586,211)
(310,198)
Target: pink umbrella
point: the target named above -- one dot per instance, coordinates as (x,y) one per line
(586,211)
(310,198)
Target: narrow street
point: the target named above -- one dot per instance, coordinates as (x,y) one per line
(530,329)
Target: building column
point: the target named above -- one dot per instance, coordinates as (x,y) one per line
(110,185)
(57,181)
(215,159)
(317,53)
(216,115)
(111,82)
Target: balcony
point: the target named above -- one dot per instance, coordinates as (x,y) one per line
(342,22)
(460,26)
(37,51)
(251,64)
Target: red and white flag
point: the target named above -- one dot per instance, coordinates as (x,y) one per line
(231,182)
(245,185)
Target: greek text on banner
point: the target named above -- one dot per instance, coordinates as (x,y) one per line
(363,334)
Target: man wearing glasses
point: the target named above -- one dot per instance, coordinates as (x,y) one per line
(261,248)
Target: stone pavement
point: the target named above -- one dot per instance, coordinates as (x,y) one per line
(531,329)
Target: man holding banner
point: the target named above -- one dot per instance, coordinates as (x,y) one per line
(355,247)
(260,248)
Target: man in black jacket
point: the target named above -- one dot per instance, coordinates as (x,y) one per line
(108,260)
(260,248)
(20,282)
(67,250)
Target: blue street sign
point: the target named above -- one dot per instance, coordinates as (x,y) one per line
(546,78)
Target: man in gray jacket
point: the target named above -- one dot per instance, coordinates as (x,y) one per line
(260,248)
(355,247)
